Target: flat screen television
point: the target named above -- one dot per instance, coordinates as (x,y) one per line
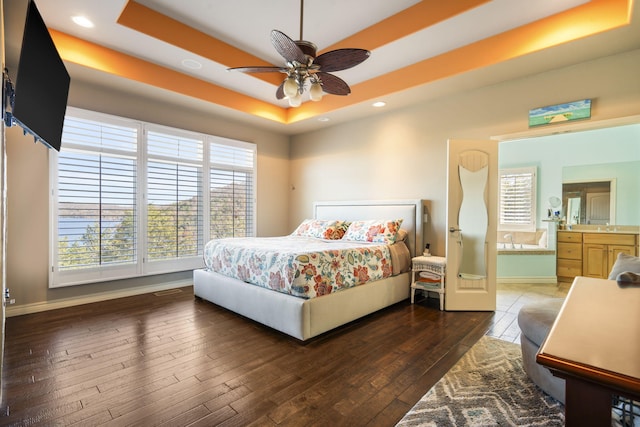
(42,83)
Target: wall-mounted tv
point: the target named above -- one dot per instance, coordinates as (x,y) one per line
(42,83)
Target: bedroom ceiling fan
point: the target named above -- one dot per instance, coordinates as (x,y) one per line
(305,70)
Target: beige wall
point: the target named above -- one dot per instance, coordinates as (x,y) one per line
(27,194)
(402,154)
(399,154)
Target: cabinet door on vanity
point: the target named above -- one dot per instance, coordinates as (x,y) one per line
(614,250)
(595,261)
(600,251)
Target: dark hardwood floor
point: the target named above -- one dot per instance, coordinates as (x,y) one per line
(170,359)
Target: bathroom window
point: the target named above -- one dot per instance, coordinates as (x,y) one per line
(517,199)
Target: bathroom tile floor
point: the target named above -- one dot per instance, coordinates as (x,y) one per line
(511,297)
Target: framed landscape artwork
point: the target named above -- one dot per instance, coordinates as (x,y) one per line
(576,110)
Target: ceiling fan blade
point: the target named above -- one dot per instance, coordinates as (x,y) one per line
(333,85)
(258,69)
(341,59)
(280,91)
(287,47)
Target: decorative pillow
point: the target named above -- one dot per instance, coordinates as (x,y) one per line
(625,263)
(402,235)
(378,231)
(321,229)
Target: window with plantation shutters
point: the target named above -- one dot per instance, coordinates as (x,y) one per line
(517,199)
(130,199)
(174,195)
(95,200)
(231,188)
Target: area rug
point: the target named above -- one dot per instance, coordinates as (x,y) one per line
(486,387)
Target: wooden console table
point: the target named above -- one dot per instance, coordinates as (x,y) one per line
(594,345)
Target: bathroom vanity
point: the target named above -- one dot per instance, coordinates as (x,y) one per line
(591,253)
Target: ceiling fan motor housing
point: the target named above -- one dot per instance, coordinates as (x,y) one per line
(307,48)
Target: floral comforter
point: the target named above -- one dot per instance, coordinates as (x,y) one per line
(302,266)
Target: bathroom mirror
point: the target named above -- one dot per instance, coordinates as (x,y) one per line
(589,202)
(623,192)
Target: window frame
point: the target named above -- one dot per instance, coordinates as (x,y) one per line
(175,264)
(142,266)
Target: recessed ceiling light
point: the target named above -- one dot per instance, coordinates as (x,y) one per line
(83,21)
(323,119)
(191,64)
(379,104)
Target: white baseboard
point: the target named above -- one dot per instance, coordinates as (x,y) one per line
(533,280)
(18,310)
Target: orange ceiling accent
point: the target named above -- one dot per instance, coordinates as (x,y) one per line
(585,20)
(147,21)
(94,56)
(582,21)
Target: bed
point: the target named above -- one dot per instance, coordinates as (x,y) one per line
(304,318)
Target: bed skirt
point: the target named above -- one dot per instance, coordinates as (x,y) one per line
(298,317)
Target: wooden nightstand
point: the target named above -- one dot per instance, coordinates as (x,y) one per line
(434,268)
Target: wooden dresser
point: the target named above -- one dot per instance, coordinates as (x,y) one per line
(591,254)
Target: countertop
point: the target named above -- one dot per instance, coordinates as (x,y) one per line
(621,230)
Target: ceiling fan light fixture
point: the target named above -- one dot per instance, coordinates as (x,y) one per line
(290,87)
(296,100)
(315,91)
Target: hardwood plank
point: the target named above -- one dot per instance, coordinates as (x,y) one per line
(168,403)
(132,392)
(187,417)
(215,418)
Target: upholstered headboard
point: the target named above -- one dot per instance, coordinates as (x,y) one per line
(411,211)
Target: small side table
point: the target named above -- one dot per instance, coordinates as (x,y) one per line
(432,282)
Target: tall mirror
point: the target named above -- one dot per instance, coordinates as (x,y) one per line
(473,215)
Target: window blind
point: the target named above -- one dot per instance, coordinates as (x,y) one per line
(231,188)
(174,196)
(518,199)
(96,195)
